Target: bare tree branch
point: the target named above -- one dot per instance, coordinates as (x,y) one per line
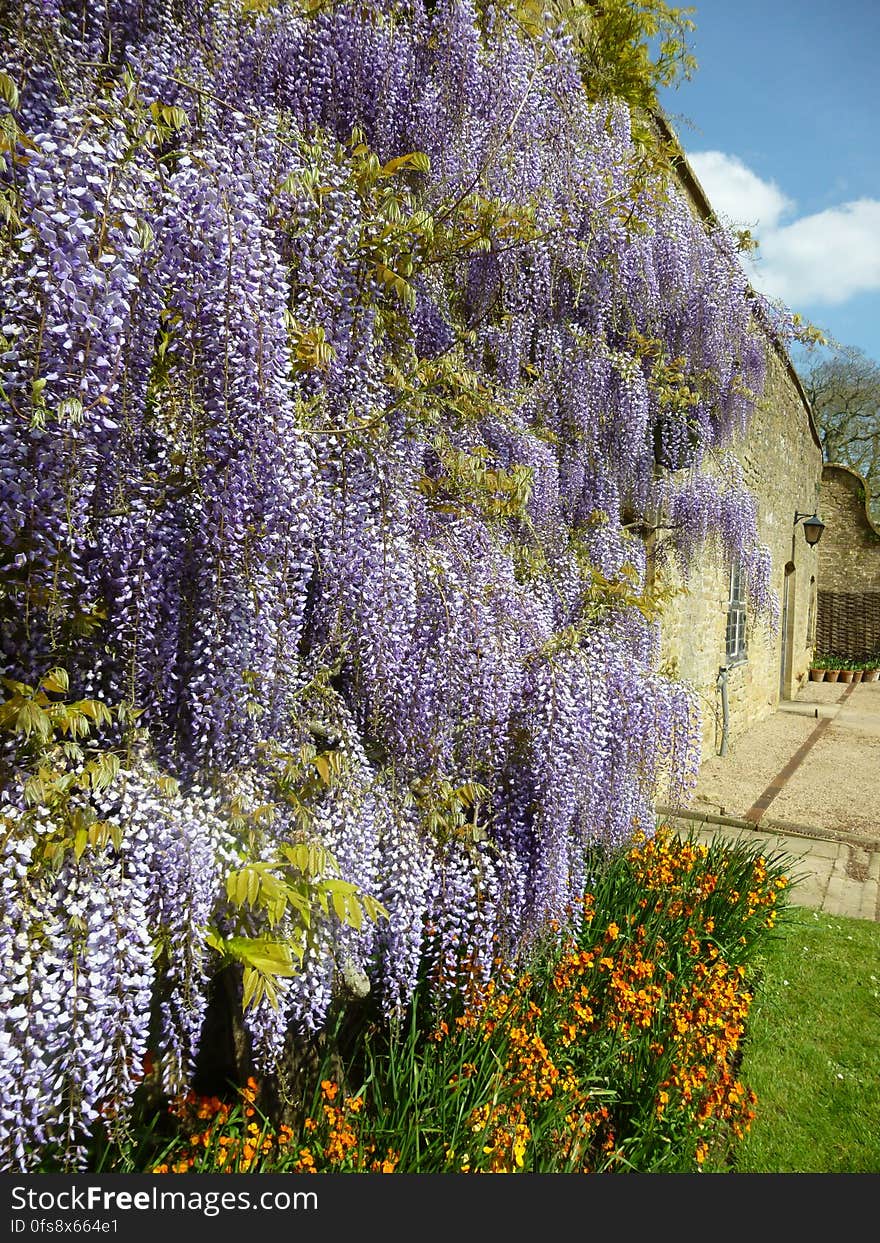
(844,391)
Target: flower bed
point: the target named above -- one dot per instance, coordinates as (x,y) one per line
(613,1049)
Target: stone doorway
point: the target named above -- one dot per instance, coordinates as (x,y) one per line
(786,628)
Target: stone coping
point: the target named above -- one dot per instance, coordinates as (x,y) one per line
(767,825)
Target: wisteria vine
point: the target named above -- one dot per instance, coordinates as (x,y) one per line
(339,346)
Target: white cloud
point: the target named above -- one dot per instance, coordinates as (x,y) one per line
(827,257)
(820,259)
(736,193)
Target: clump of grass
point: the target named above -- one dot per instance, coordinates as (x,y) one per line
(613,1047)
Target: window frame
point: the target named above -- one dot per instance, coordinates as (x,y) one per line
(735,639)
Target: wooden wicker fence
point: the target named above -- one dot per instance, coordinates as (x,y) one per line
(848,624)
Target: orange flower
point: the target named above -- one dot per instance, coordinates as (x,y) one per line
(388,1164)
(305,1163)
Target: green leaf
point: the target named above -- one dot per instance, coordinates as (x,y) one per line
(416,160)
(32,719)
(237,887)
(169,786)
(101,834)
(290,184)
(103,771)
(176,117)
(56,682)
(272,887)
(349,910)
(8,91)
(302,902)
(373,909)
(71,408)
(275,909)
(215,942)
(253,983)
(269,957)
(35,791)
(17,688)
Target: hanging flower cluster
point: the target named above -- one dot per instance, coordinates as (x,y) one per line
(336,343)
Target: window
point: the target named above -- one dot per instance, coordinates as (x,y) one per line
(736,616)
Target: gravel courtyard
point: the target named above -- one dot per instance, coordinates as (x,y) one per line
(836,784)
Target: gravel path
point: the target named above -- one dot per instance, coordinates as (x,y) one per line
(836,786)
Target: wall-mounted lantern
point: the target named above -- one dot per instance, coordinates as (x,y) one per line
(813,527)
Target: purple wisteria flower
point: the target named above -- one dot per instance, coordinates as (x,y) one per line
(311,447)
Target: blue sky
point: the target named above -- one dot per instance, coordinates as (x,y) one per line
(781,122)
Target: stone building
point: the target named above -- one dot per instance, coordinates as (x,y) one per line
(849,569)
(739,666)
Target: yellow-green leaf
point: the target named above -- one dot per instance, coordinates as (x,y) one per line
(56,681)
(8,90)
(32,719)
(253,987)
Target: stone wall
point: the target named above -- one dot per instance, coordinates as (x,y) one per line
(781,458)
(849,569)
(849,554)
(782,462)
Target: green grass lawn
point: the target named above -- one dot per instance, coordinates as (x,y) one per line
(813,1050)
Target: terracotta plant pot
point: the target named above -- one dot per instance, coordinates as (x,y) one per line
(817,675)
(846,675)
(870,675)
(831,675)
(857,675)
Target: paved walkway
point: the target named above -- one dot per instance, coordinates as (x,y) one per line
(805,781)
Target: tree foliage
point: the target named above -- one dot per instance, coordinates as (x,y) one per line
(844,390)
(631,48)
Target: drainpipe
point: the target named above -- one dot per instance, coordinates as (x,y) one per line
(721,684)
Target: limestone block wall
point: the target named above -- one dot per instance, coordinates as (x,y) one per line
(849,569)
(782,464)
(781,458)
